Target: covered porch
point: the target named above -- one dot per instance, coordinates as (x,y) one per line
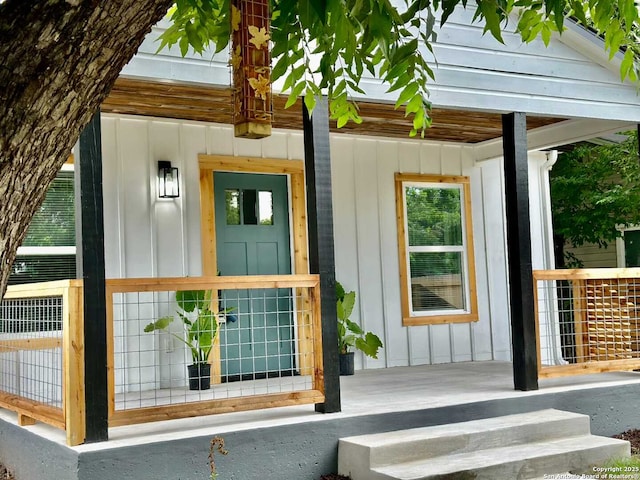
(145,380)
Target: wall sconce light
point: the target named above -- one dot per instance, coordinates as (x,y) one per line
(168,182)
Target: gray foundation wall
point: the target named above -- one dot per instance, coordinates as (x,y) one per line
(293,452)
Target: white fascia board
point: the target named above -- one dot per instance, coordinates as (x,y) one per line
(555,135)
(590,45)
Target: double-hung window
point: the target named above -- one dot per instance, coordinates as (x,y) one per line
(435,243)
(48,252)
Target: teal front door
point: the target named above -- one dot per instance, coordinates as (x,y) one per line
(252,238)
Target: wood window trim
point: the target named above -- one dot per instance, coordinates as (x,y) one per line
(407,318)
(209,164)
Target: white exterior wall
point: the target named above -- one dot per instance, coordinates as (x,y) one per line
(150,237)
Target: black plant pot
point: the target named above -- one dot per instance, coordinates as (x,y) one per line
(346,363)
(199,376)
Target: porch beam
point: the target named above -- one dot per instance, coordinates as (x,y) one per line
(321,255)
(91,267)
(523,331)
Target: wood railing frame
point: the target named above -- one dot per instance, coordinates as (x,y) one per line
(209,407)
(579,278)
(71,417)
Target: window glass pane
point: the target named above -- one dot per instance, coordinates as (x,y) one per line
(42,268)
(232,205)
(249,210)
(433,216)
(632,248)
(437,281)
(265,203)
(54,224)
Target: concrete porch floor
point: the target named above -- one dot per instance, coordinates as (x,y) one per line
(296,439)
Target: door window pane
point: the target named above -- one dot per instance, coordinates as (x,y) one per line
(265,207)
(232,201)
(249,204)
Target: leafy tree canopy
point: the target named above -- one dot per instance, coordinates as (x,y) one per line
(354,37)
(595,189)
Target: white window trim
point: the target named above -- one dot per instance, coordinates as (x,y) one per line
(620,248)
(33,251)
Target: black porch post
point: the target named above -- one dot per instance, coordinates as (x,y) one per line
(525,362)
(91,263)
(321,258)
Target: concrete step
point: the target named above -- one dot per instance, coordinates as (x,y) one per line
(428,442)
(525,461)
(511,447)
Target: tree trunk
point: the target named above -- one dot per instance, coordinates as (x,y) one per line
(58,62)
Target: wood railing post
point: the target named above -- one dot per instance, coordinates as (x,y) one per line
(579,319)
(73,363)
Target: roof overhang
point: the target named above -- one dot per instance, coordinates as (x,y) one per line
(212,104)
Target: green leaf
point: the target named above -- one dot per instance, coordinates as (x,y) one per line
(489,10)
(189,300)
(626,65)
(354,327)
(295,93)
(546,35)
(160,324)
(348,302)
(184,46)
(409,92)
(369,345)
(310,100)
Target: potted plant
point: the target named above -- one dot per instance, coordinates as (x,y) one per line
(350,335)
(200,330)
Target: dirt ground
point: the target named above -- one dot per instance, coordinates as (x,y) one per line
(633,437)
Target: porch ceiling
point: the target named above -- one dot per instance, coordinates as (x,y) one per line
(213,104)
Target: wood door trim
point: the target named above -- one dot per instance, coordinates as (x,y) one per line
(300,254)
(294,168)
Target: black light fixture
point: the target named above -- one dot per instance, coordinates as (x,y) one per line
(168,182)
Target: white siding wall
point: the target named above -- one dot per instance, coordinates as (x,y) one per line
(146,236)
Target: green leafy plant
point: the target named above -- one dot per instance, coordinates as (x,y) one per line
(199,321)
(350,334)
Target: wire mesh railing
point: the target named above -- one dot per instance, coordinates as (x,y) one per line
(587,320)
(184,347)
(41,361)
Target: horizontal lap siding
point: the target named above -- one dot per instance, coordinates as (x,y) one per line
(592,256)
(474,71)
(146,236)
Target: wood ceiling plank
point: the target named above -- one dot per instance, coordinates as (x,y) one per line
(213,104)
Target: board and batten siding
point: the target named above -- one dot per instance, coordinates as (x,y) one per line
(150,237)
